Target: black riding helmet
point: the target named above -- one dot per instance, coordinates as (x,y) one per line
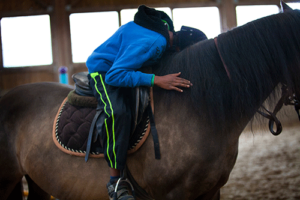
(187,36)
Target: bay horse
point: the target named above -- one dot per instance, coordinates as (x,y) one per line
(198,129)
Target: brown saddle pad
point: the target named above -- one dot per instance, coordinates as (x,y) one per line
(71,128)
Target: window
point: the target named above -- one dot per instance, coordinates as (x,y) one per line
(127,15)
(26,41)
(245,14)
(206,19)
(294,5)
(89,30)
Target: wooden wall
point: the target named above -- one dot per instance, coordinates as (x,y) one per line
(59,11)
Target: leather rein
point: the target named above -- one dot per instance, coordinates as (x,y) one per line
(288,97)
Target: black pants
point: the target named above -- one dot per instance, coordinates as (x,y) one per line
(115,131)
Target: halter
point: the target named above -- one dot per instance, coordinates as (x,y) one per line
(288,97)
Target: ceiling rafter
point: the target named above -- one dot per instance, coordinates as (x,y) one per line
(43,5)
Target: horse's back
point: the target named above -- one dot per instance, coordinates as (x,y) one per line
(27,100)
(29,93)
(29,105)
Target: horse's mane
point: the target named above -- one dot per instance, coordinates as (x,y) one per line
(258,56)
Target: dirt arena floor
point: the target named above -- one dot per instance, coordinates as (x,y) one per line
(267,167)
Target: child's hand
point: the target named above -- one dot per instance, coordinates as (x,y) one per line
(172,82)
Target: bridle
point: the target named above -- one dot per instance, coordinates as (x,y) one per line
(288,97)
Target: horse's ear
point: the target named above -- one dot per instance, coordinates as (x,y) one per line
(284,7)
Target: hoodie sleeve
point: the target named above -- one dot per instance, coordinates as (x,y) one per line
(123,72)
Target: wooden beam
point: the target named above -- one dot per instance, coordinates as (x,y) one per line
(98,8)
(228,15)
(61,40)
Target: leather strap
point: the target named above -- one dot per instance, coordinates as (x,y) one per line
(297,108)
(225,66)
(154,132)
(272,116)
(272,119)
(139,191)
(89,142)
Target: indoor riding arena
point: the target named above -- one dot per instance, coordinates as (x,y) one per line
(50,40)
(267,166)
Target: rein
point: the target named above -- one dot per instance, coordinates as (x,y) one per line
(287,98)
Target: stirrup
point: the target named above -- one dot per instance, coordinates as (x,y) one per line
(122,179)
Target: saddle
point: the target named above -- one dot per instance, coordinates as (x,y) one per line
(76,120)
(139,102)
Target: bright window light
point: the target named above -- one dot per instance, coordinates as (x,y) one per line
(127,15)
(89,30)
(245,14)
(294,5)
(206,19)
(26,41)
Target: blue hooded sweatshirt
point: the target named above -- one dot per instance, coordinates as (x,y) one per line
(127,50)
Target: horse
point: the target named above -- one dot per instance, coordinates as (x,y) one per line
(199,129)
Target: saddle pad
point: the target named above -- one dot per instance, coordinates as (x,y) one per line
(71,128)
